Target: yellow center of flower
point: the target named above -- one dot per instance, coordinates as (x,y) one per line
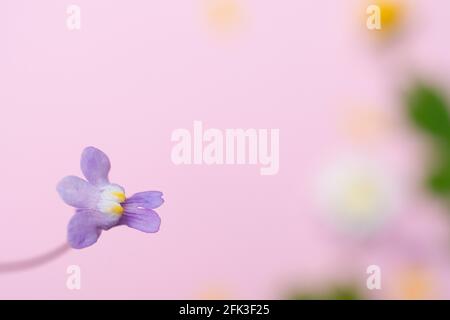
(110,200)
(119,195)
(360,197)
(116,209)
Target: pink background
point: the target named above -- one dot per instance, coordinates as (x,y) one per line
(136,71)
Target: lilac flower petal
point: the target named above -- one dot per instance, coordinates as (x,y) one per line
(142,219)
(146,199)
(82,230)
(77,192)
(104,221)
(95,166)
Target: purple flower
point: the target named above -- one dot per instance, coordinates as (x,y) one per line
(101,205)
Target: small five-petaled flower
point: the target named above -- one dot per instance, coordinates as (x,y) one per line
(101,205)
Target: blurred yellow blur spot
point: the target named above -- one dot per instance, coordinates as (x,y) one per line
(214,292)
(415,284)
(224,15)
(392,15)
(365,125)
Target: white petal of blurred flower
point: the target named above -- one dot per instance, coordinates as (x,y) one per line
(356,196)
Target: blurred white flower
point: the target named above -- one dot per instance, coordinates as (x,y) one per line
(355,195)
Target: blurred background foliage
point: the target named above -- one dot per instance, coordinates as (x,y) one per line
(336,292)
(428,110)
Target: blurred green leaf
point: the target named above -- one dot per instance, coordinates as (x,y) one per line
(429,111)
(438,180)
(341,292)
